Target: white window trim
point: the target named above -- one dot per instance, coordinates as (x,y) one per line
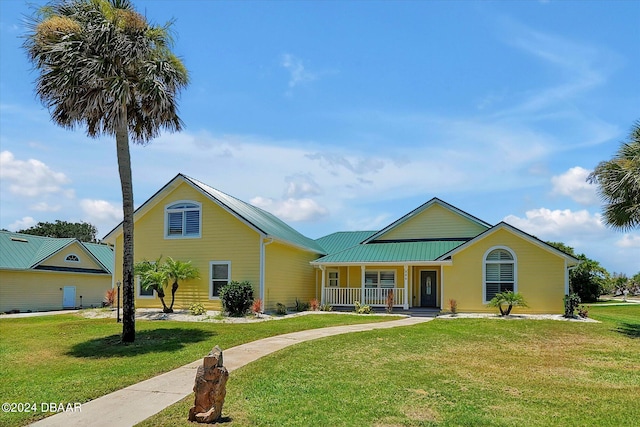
(139,289)
(211,264)
(378,285)
(333,270)
(66,259)
(484,269)
(166,220)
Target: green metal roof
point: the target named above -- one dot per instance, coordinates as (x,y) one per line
(342,240)
(264,221)
(24,251)
(392,252)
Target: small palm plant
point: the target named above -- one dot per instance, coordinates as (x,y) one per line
(152,277)
(508,298)
(176,271)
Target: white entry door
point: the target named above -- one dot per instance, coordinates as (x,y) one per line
(69,297)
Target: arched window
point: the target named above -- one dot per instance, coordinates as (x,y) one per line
(72,258)
(499,272)
(183,219)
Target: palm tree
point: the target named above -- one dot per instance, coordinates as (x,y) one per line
(103,66)
(507,298)
(618,183)
(153,277)
(178,271)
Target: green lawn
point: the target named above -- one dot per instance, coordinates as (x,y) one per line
(68,358)
(463,372)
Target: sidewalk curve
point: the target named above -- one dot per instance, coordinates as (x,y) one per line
(133,404)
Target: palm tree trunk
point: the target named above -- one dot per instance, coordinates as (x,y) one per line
(160,293)
(174,289)
(126,183)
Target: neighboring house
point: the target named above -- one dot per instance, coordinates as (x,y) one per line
(437,253)
(43,273)
(429,256)
(226,239)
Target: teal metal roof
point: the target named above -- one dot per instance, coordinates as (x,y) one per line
(264,221)
(392,252)
(342,240)
(24,251)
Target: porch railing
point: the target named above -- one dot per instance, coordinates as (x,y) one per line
(372,296)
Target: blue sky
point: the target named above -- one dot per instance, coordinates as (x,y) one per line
(347,115)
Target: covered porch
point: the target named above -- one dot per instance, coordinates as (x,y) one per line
(406,285)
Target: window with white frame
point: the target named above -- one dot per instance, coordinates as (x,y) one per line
(334,278)
(220,274)
(72,258)
(499,272)
(183,219)
(142,292)
(385,279)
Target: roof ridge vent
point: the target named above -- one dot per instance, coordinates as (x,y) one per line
(19,239)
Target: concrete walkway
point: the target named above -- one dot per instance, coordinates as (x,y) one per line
(138,402)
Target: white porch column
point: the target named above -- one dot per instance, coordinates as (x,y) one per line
(441,287)
(405,302)
(323,273)
(362,269)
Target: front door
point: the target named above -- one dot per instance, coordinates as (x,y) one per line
(428,289)
(69,297)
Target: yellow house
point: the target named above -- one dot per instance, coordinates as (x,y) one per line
(43,273)
(226,239)
(438,253)
(432,255)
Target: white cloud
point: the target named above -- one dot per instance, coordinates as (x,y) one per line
(45,207)
(630,241)
(32,177)
(291,209)
(298,74)
(101,211)
(22,224)
(564,224)
(301,185)
(573,183)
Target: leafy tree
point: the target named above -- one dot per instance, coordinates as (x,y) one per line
(508,298)
(178,271)
(618,183)
(588,279)
(102,66)
(82,231)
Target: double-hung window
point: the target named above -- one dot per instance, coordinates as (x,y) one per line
(385,279)
(183,219)
(499,272)
(220,275)
(334,278)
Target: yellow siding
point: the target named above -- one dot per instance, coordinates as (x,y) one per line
(42,290)
(433,223)
(288,275)
(540,275)
(224,238)
(86,260)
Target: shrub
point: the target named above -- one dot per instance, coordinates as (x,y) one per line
(237,298)
(197,309)
(314,304)
(326,307)
(389,308)
(281,309)
(583,311)
(508,298)
(110,297)
(256,307)
(571,302)
(361,309)
(453,306)
(301,306)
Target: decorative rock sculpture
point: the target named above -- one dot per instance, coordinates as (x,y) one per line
(210,388)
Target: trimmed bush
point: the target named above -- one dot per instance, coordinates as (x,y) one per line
(197,309)
(281,309)
(237,298)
